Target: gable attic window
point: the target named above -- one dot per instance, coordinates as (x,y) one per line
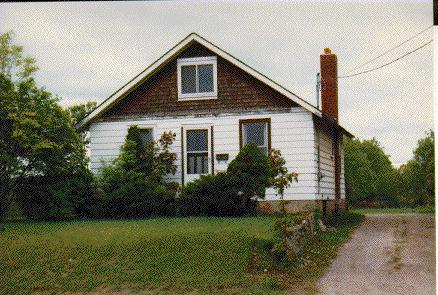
(197,78)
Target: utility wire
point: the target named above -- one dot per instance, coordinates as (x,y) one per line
(388,51)
(384,65)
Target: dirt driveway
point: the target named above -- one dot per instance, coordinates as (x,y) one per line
(388,254)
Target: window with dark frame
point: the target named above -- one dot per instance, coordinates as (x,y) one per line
(197,151)
(256,132)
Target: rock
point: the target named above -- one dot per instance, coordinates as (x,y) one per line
(322,227)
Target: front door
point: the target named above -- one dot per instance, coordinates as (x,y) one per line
(197,152)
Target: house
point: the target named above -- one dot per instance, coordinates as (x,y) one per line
(215,103)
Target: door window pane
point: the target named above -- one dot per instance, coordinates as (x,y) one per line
(205,74)
(197,163)
(197,140)
(188,79)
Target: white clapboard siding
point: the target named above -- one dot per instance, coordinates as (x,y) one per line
(343,193)
(327,166)
(292,133)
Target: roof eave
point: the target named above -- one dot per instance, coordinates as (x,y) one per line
(327,118)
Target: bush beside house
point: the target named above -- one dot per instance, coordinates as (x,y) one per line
(236,191)
(55,196)
(133,185)
(231,193)
(211,195)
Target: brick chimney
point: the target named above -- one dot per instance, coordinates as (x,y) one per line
(329,84)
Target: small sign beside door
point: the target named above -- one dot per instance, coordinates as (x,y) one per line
(222,157)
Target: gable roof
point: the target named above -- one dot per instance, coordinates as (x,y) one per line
(169,55)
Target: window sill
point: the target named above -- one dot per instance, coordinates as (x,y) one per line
(197,97)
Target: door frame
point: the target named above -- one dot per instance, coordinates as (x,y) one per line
(184,159)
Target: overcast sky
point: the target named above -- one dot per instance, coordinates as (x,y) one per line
(86,51)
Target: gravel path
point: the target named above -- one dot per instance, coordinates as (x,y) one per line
(388,254)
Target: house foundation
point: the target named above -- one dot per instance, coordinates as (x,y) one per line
(294,206)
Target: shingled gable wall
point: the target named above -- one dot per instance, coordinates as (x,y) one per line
(237,91)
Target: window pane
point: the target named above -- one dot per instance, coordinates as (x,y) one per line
(197,163)
(205,74)
(191,164)
(205,164)
(197,140)
(146,136)
(188,79)
(255,132)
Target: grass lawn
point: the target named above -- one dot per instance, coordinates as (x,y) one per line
(393,210)
(162,255)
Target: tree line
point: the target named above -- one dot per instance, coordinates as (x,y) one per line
(372,181)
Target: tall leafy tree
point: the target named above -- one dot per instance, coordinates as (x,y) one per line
(79,111)
(418,175)
(37,137)
(369,174)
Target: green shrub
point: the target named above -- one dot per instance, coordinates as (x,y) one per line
(250,170)
(131,195)
(232,193)
(213,195)
(133,185)
(279,176)
(55,197)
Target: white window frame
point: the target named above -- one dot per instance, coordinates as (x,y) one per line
(244,141)
(207,151)
(196,126)
(196,61)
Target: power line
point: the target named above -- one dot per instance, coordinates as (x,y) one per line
(393,61)
(388,51)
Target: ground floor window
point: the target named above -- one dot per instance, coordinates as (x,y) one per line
(257,131)
(146,135)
